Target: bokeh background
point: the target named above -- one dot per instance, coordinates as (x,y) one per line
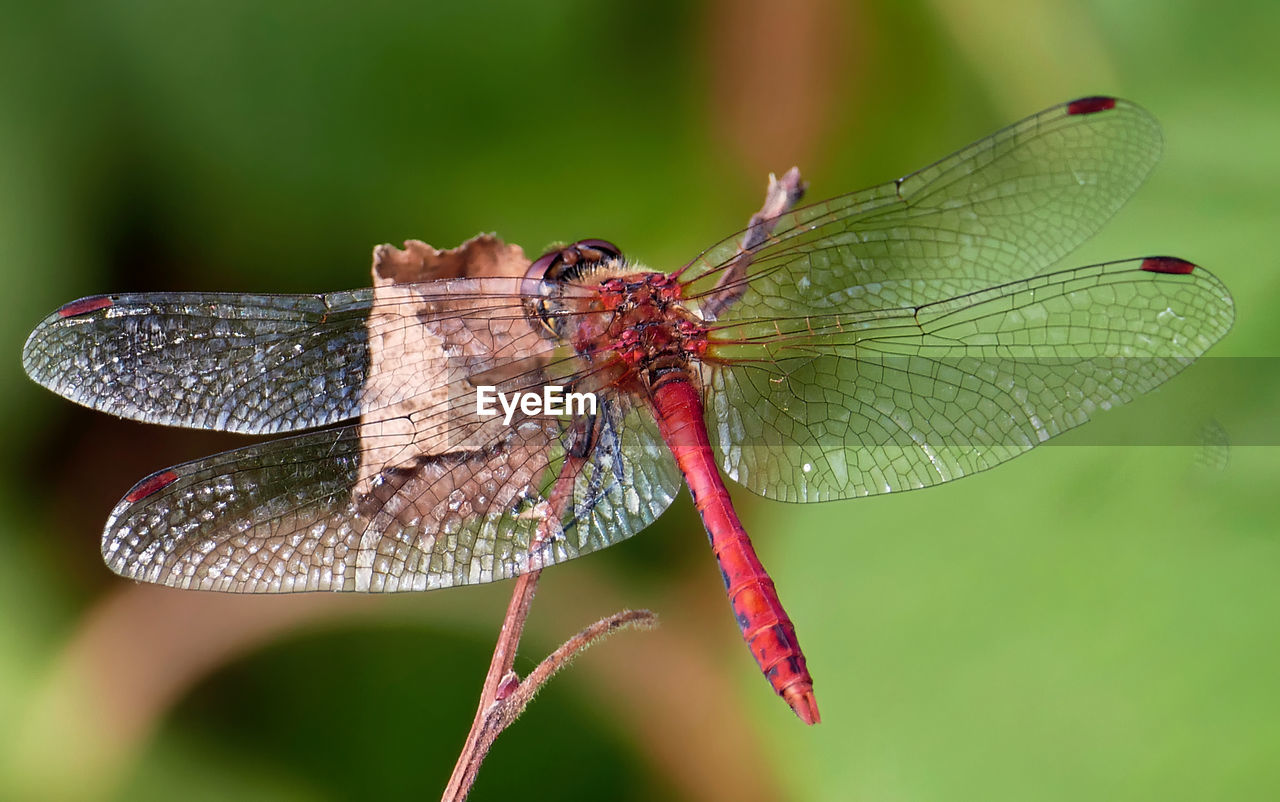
(1092,621)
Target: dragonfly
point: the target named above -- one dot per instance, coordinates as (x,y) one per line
(889,339)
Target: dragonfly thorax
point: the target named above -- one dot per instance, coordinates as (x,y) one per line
(637,320)
(630,322)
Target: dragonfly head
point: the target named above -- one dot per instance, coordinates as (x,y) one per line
(562,265)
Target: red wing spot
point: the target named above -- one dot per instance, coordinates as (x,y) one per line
(1091,105)
(85,305)
(152,484)
(1167,264)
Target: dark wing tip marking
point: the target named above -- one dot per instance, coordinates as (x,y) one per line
(152,484)
(1167,264)
(85,305)
(1091,105)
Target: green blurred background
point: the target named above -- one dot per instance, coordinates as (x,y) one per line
(1089,622)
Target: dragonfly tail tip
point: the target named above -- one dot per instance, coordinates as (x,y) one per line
(804,704)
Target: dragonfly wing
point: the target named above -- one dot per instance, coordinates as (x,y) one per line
(241,363)
(262,364)
(629,480)
(1004,208)
(338,510)
(838,406)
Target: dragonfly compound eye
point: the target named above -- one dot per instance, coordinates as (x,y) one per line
(562,264)
(596,250)
(542,266)
(568,262)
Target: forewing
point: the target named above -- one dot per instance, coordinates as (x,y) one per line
(242,363)
(1004,208)
(260,364)
(836,406)
(311,512)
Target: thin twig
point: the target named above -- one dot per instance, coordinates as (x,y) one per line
(503,697)
(522,694)
(504,656)
(779,198)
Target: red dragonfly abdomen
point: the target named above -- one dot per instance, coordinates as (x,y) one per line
(767,629)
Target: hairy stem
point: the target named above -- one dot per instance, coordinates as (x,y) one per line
(504,696)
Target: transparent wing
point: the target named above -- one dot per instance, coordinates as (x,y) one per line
(260,364)
(330,510)
(1004,208)
(243,363)
(820,407)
